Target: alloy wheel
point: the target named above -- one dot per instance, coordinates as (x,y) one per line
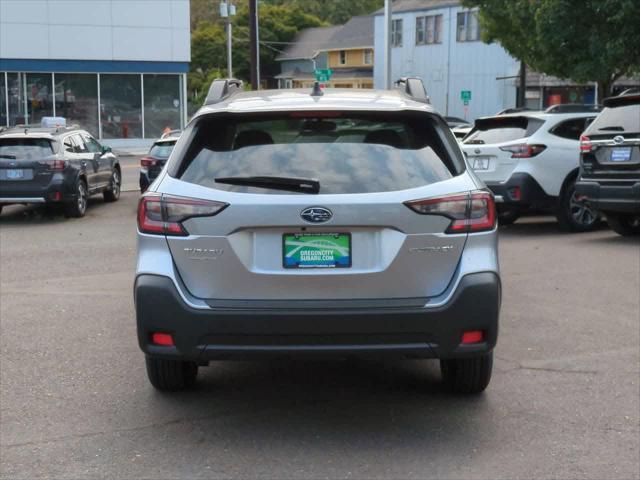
(581,211)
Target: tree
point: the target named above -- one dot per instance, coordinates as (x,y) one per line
(583,40)
(334,12)
(278,23)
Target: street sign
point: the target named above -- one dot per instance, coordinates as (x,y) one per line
(323,74)
(465,96)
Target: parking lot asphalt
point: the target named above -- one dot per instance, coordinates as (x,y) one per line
(75,401)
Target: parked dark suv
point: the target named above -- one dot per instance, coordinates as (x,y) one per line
(610,163)
(56,165)
(153,163)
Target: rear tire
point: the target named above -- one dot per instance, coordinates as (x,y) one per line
(78,207)
(112,193)
(467,375)
(574,215)
(625,225)
(171,375)
(508,216)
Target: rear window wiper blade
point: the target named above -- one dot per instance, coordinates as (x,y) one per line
(613,127)
(10,157)
(290,184)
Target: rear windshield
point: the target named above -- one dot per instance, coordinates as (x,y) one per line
(345,153)
(25,148)
(162,150)
(502,129)
(624,119)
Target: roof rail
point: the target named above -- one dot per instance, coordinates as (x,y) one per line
(572,108)
(630,91)
(413,88)
(222,88)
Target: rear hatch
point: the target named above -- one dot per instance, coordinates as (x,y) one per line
(611,144)
(312,207)
(157,157)
(490,145)
(25,164)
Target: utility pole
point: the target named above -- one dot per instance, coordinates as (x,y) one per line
(253,34)
(258,42)
(387,43)
(227,10)
(523,85)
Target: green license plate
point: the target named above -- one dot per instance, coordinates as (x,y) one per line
(316,250)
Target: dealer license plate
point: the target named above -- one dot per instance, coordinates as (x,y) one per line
(621,154)
(316,250)
(15,174)
(481,163)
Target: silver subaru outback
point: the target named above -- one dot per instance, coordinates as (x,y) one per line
(299,222)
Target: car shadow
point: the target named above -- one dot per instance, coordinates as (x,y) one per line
(43,214)
(324,403)
(540,226)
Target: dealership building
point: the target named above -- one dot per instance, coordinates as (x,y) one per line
(115,67)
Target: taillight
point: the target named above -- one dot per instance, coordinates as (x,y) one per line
(469,212)
(148,162)
(163,214)
(56,165)
(523,150)
(585,144)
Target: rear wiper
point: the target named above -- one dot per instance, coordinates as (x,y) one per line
(616,128)
(290,184)
(11,157)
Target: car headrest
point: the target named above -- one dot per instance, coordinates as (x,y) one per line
(250,138)
(384,137)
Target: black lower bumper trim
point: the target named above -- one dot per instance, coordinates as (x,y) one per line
(208,334)
(610,198)
(523,191)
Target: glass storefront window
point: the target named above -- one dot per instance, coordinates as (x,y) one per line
(17,99)
(120,109)
(77,99)
(39,97)
(161,104)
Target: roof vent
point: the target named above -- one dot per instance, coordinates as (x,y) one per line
(413,88)
(221,89)
(317,91)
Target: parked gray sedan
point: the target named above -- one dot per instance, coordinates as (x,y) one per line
(336,222)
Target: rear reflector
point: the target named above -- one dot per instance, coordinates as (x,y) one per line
(469,212)
(472,336)
(163,214)
(163,339)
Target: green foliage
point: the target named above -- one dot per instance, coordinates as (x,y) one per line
(278,23)
(334,12)
(582,40)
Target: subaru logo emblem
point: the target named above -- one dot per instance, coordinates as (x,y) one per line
(618,139)
(316,214)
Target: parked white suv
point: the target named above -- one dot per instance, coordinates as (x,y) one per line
(530,161)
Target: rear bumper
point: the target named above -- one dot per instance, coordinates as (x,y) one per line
(521,191)
(59,189)
(606,198)
(239,333)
